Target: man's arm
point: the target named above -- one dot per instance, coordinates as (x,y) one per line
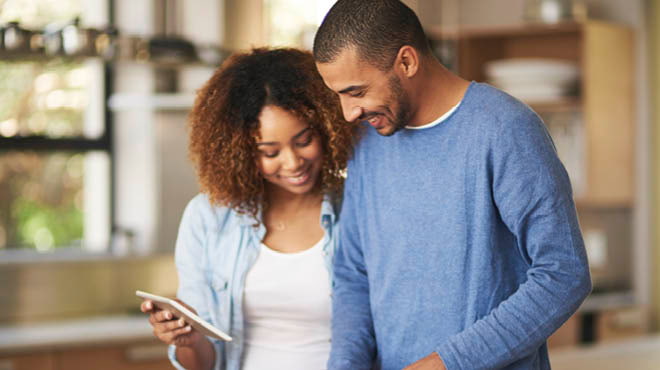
(534,198)
(353,341)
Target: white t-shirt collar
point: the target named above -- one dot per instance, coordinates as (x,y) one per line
(437,121)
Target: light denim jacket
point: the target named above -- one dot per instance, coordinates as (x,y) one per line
(215,248)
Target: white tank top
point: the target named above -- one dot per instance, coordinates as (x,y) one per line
(287,311)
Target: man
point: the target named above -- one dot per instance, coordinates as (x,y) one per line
(460,244)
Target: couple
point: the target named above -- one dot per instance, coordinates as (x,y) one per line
(457,245)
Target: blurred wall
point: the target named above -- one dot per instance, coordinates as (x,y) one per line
(654,46)
(244,24)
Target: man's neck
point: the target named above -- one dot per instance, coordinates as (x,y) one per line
(437,90)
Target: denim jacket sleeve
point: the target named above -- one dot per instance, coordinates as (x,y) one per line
(190,258)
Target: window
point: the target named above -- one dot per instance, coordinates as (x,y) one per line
(55,147)
(294,22)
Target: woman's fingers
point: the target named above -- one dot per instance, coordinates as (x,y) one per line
(172,335)
(160,316)
(167,327)
(146,306)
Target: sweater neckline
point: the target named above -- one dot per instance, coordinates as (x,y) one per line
(445,115)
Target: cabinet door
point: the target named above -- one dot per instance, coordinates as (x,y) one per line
(128,357)
(609,103)
(28,362)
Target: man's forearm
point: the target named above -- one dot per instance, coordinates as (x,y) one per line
(519,325)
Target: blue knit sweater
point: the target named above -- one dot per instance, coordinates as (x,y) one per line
(461,238)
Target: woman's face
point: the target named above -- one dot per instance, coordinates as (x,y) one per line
(290,154)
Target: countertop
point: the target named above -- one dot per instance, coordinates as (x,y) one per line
(639,353)
(70,333)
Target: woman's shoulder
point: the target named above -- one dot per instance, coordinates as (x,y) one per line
(212,215)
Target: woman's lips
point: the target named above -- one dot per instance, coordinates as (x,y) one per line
(297,180)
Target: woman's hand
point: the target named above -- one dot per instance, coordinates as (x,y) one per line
(169,328)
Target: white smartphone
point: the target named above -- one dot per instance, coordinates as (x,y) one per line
(179,310)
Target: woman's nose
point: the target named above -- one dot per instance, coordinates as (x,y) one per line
(291,160)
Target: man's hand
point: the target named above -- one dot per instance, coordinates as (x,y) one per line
(430,362)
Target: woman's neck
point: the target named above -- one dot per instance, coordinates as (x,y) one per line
(282,202)
(292,221)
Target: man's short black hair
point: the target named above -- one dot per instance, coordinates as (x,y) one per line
(376,28)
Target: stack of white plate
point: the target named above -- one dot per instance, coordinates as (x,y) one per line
(534,80)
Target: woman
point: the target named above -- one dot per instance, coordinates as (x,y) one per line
(253,254)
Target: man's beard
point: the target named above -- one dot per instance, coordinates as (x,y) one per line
(402,104)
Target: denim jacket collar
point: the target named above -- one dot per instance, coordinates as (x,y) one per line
(329,216)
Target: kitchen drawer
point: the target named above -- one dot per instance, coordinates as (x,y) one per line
(127,357)
(618,324)
(44,361)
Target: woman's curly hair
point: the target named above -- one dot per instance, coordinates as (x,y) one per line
(224,122)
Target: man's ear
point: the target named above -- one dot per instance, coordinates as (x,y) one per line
(407,61)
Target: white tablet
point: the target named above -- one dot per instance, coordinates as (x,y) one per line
(179,310)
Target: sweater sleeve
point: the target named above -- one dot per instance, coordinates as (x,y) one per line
(353,341)
(532,193)
(193,284)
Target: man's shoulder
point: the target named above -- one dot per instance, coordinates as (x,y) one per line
(485,103)
(493,100)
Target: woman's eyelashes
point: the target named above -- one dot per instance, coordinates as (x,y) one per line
(270,155)
(305,141)
(299,144)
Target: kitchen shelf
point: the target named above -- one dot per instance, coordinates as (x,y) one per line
(165,102)
(166,64)
(608,301)
(521,29)
(583,203)
(567,104)
(64,333)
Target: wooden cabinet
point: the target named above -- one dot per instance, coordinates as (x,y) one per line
(128,357)
(133,356)
(605,101)
(42,361)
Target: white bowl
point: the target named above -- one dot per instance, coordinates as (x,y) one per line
(532,70)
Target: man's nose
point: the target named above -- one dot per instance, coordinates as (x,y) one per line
(350,110)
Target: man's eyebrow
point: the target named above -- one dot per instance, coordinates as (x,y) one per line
(351,88)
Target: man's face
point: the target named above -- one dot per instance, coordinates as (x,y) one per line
(367,93)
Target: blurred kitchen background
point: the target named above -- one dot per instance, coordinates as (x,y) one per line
(94,175)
